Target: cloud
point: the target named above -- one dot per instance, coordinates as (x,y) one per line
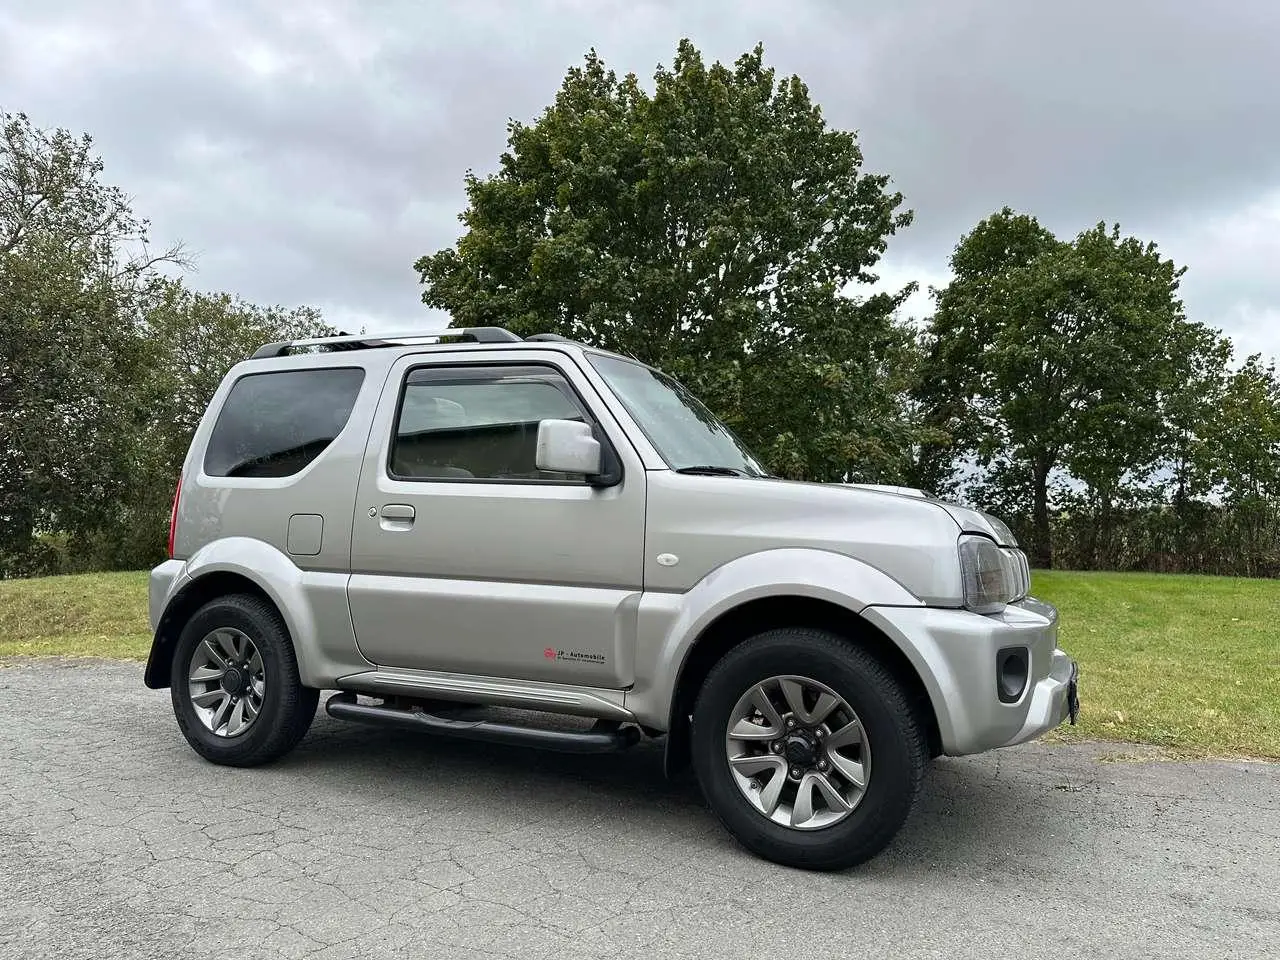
(310,153)
(1231,280)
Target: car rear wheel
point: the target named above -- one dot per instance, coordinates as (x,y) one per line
(234,684)
(807,749)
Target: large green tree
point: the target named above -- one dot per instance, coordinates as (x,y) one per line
(105,364)
(1050,357)
(74,265)
(715,227)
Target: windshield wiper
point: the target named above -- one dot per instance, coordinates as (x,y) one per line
(711,471)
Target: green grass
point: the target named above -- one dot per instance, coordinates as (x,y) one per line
(89,615)
(1188,663)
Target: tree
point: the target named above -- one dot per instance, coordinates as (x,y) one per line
(50,188)
(105,365)
(1048,355)
(714,228)
(68,354)
(73,265)
(1243,446)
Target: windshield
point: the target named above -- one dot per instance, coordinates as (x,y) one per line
(685,433)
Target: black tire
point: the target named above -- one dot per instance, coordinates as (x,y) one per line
(898,748)
(288,707)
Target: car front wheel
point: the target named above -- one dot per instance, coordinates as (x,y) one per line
(807,749)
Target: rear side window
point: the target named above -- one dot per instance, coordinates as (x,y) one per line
(479,423)
(274,424)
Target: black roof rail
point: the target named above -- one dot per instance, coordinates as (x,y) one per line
(363,341)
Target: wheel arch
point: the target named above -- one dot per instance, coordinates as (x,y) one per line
(178,611)
(312,603)
(753,617)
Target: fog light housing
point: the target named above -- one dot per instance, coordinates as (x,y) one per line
(1013,668)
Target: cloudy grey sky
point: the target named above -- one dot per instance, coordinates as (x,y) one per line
(309,152)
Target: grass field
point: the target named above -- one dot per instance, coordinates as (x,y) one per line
(1188,663)
(91,615)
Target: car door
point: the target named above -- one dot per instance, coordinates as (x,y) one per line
(465,558)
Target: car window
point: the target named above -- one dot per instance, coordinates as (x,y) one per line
(274,424)
(683,431)
(479,423)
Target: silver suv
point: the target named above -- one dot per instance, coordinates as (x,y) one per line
(461,533)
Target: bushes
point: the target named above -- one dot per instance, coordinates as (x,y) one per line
(1240,540)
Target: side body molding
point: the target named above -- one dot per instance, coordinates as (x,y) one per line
(312,603)
(670,623)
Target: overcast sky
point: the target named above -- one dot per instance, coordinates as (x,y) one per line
(308,153)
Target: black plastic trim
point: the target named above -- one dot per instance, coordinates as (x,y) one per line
(1024,654)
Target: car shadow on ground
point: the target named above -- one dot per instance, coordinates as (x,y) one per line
(973,813)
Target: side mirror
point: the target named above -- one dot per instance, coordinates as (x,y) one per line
(567,446)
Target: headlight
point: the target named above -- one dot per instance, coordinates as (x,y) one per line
(992,576)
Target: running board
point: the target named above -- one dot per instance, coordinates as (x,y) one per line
(521,694)
(605,737)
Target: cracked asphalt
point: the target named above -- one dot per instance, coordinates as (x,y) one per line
(117,841)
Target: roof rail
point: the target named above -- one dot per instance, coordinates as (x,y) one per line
(364,341)
(551,336)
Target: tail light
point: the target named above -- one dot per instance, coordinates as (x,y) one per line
(173,516)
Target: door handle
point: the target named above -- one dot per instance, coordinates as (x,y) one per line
(396,516)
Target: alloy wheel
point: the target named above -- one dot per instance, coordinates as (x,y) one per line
(227,682)
(798,752)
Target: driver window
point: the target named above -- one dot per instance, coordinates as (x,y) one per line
(479,423)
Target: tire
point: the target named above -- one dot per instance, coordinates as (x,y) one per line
(892,744)
(286,708)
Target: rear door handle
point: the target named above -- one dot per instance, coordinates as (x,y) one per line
(397,516)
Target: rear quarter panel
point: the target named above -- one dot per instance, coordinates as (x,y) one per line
(241,525)
(212,508)
(313,603)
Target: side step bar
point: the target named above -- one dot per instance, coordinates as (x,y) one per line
(605,737)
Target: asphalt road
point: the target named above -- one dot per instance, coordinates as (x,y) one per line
(117,841)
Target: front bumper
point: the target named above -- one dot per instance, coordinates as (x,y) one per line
(1054,699)
(955,653)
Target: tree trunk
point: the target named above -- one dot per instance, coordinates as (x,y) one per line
(1102,554)
(1042,544)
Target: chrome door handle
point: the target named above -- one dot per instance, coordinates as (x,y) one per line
(396,516)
